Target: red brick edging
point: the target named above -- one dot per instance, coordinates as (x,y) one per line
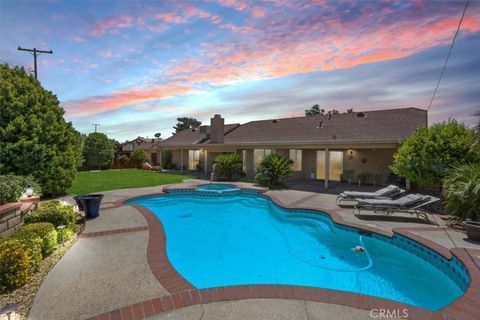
(183,294)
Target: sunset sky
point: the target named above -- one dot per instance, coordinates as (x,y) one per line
(134,67)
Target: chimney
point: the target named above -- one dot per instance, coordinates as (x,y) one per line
(216,129)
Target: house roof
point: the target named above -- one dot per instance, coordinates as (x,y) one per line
(142,143)
(396,124)
(392,125)
(194,136)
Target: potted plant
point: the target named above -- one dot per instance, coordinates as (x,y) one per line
(461,188)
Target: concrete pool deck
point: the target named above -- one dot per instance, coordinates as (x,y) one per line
(119,270)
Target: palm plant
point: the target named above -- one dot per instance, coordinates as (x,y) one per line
(273,170)
(461,188)
(228,167)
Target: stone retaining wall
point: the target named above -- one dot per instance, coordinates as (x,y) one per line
(11,215)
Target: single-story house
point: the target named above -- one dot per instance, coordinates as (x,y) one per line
(145,144)
(329,147)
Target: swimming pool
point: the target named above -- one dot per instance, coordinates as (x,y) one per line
(217,187)
(217,239)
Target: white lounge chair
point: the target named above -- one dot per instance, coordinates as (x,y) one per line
(412,204)
(384,193)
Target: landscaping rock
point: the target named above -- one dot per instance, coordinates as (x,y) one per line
(147,166)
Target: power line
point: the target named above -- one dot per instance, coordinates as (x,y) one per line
(36,53)
(96,125)
(448,55)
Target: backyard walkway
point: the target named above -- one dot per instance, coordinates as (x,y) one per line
(118,270)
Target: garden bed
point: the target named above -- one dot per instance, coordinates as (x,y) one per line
(25,295)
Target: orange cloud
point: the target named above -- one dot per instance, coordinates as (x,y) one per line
(121,98)
(275,53)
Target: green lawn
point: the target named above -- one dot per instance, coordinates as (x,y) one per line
(88,182)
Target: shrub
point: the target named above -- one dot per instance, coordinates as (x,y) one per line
(98,150)
(67,235)
(35,138)
(123,159)
(228,167)
(19,259)
(138,157)
(46,231)
(461,188)
(34,242)
(55,213)
(426,155)
(10,189)
(273,170)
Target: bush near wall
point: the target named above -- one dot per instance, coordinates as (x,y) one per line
(54,212)
(46,231)
(19,259)
(12,187)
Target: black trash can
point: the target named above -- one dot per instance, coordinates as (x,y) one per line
(91,204)
(79,203)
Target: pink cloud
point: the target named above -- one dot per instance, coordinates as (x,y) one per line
(121,98)
(239,5)
(279,50)
(112,24)
(258,11)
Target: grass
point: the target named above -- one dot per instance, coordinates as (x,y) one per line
(89,182)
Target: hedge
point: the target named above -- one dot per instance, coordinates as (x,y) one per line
(46,231)
(54,212)
(19,259)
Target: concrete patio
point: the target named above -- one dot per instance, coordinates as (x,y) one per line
(109,268)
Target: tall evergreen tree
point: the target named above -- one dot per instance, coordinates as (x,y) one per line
(35,139)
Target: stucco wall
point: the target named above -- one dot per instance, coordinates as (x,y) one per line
(377,162)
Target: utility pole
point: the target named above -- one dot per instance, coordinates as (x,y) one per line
(96,125)
(35,52)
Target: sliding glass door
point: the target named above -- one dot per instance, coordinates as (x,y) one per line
(335,165)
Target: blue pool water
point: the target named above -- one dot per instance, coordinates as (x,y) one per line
(217,187)
(221,240)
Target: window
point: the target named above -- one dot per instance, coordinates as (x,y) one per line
(296,157)
(193,159)
(259,154)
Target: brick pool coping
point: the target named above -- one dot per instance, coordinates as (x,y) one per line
(183,294)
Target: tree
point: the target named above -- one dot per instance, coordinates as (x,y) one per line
(35,138)
(273,170)
(123,159)
(186,123)
(314,111)
(98,150)
(461,188)
(138,156)
(228,167)
(429,152)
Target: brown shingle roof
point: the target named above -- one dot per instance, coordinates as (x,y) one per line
(375,126)
(391,125)
(193,136)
